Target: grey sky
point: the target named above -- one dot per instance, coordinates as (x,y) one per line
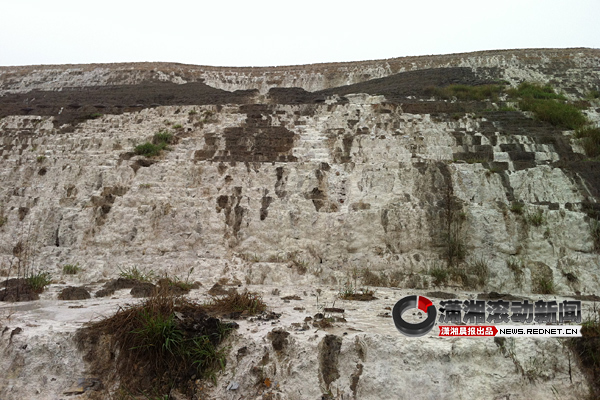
(266,32)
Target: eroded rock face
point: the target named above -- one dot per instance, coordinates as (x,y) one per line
(321,178)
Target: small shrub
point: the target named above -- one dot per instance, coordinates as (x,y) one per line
(37,282)
(94,116)
(163,137)
(71,269)
(516,207)
(145,185)
(148,149)
(536,219)
(40,159)
(192,112)
(177,126)
(137,274)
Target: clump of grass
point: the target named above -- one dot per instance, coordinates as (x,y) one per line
(177,126)
(516,267)
(349,292)
(592,95)
(587,349)
(159,143)
(148,149)
(37,282)
(3,220)
(192,112)
(71,269)
(595,232)
(548,106)
(40,159)
(439,274)
(480,269)
(535,91)
(94,116)
(555,112)
(162,137)
(517,207)
(456,250)
(249,303)
(536,219)
(137,274)
(590,140)
(466,92)
(544,285)
(164,342)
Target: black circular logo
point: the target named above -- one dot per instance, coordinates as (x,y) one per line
(423,304)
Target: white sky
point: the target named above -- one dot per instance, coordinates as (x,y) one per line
(268,32)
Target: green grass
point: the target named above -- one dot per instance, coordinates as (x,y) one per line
(548,106)
(157,333)
(137,274)
(71,269)
(40,159)
(516,267)
(544,285)
(595,232)
(587,349)
(37,282)
(535,91)
(149,149)
(177,126)
(159,143)
(590,140)
(536,219)
(94,116)
(163,137)
(439,274)
(517,207)
(162,343)
(592,95)
(556,113)
(466,92)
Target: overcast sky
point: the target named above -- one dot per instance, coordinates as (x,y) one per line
(265,32)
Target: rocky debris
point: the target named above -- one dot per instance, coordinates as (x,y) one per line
(17,289)
(279,338)
(143,289)
(329,351)
(83,385)
(218,290)
(113,285)
(74,293)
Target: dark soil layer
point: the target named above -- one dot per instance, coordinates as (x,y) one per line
(17,289)
(79,104)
